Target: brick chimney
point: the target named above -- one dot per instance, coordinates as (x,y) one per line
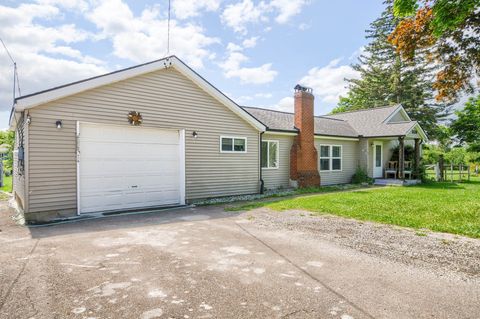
(303,155)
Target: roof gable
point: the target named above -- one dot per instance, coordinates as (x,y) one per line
(42,97)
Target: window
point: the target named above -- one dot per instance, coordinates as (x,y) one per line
(378,155)
(330,157)
(233,144)
(269,154)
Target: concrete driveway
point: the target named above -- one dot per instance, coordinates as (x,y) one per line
(207,263)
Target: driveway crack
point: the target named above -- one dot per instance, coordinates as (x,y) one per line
(4,300)
(330,289)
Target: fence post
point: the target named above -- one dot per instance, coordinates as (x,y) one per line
(468,168)
(451,172)
(442,168)
(460,168)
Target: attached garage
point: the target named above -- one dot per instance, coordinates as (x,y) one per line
(121,167)
(80,152)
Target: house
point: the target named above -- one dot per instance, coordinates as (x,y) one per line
(158,134)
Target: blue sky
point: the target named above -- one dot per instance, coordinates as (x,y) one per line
(254,51)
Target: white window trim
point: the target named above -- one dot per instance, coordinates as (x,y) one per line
(330,158)
(233,144)
(268,150)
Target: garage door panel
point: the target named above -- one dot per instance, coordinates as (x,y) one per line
(128,167)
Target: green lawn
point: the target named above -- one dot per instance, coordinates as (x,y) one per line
(7,184)
(443,207)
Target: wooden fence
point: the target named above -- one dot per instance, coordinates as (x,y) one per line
(450,172)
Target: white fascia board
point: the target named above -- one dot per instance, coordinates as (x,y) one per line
(272,133)
(420,131)
(88,84)
(398,109)
(338,138)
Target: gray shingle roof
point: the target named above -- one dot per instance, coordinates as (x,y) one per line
(371,122)
(368,123)
(276,120)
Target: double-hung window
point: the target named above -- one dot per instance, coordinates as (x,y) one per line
(269,154)
(330,157)
(233,144)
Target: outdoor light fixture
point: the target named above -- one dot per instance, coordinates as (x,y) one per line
(29,120)
(195,134)
(58,124)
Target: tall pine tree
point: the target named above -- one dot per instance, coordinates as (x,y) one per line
(386,79)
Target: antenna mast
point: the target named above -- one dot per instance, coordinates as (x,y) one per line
(168,29)
(16,81)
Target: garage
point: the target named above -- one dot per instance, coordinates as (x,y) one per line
(128,167)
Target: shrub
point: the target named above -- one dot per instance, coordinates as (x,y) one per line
(360,176)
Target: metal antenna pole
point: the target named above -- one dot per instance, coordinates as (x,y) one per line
(16,82)
(14,79)
(168,29)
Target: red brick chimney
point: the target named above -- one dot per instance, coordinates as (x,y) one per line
(303,155)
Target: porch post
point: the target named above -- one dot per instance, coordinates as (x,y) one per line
(401,157)
(417,157)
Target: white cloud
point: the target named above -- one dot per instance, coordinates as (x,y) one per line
(285,104)
(303,26)
(80,5)
(32,46)
(233,68)
(143,38)
(264,95)
(184,9)
(287,9)
(250,42)
(238,15)
(328,82)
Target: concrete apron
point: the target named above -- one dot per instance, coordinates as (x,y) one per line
(206,263)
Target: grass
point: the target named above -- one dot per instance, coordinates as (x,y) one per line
(7,184)
(443,207)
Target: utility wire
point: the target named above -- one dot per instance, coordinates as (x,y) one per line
(8,52)
(16,81)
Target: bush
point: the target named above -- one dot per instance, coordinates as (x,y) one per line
(409,153)
(360,176)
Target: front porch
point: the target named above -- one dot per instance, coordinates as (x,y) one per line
(394,160)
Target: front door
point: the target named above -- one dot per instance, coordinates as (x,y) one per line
(377,159)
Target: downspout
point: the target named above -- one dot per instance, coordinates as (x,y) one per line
(262,183)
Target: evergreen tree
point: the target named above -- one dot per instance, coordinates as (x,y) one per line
(386,79)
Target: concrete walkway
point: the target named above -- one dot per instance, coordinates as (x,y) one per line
(206,263)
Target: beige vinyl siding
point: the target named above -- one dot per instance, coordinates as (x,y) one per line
(18,172)
(350,162)
(399,117)
(279,177)
(166,99)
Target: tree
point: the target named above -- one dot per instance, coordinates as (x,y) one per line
(386,79)
(8,138)
(467,125)
(449,31)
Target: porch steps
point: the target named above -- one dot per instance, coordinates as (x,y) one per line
(395,182)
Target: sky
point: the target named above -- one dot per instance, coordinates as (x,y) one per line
(253,51)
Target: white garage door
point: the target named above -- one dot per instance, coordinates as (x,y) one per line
(123,167)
